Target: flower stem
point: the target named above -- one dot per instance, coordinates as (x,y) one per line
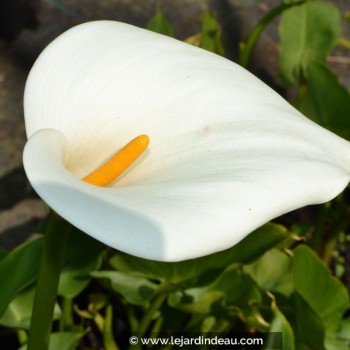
(66,320)
(148,316)
(246,48)
(108,339)
(52,257)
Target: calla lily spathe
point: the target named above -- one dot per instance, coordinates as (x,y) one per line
(227,153)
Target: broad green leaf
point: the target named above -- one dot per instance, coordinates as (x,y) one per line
(309,329)
(308,32)
(19,312)
(135,290)
(18,270)
(211,38)
(313,281)
(233,290)
(159,24)
(339,340)
(333,343)
(325,101)
(198,300)
(280,324)
(82,256)
(272,272)
(3,253)
(175,320)
(188,272)
(62,341)
(344,332)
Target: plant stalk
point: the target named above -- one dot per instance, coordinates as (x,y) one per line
(52,257)
(66,320)
(148,316)
(108,339)
(246,48)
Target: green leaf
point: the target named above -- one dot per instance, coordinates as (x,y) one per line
(309,329)
(159,24)
(313,281)
(19,312)
(3,253)
(344,332)
(272,272)
(280,324)
(18,270)
(324,100)
(189,272)
(82,256)
(339,340)
(333,343)
(62,341)
(308,33)
(232,290)
(135,290)
(198,301)
(211,38)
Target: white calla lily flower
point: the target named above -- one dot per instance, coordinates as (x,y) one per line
(227,153)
